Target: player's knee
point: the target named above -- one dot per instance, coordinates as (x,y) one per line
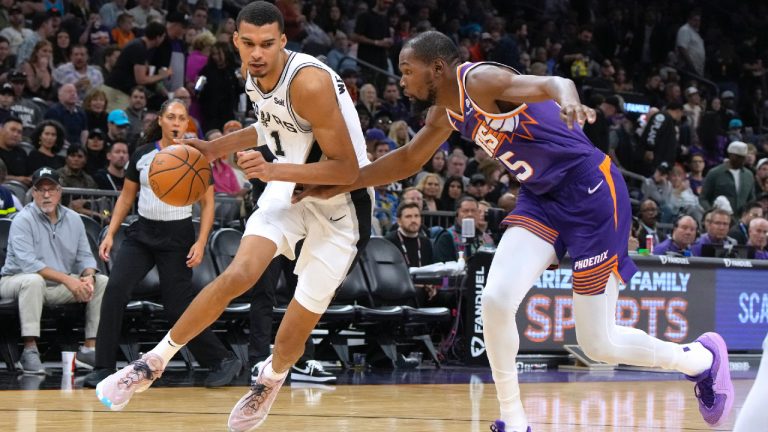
(597,349)
(236,280)
(499,299)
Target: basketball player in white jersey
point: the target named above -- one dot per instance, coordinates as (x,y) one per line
(308,121)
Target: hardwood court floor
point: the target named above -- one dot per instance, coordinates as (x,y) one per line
(586,406)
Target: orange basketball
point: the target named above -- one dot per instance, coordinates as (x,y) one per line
(179,175)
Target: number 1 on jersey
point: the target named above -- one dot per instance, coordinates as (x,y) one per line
(278,148)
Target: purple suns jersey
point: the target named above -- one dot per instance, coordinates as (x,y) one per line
(532,142)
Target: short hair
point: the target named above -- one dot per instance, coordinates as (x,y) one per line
(676,222)
(457,154)
(112,146)
(123,17)
(12,119)
(749,206)
(78,46)
(138,88)
(261,13)
(154,30)
(462,200)
(93,94)
(406,205)
(4,39)
(432,45)
(721,212)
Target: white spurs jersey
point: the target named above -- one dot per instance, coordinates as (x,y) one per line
(289,136)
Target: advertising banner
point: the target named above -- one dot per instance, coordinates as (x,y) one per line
(672,298)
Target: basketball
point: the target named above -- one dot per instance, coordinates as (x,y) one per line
(179,175)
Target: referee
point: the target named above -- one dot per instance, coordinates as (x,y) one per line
(163,236)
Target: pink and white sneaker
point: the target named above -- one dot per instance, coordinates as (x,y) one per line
(115,391)
(252,409)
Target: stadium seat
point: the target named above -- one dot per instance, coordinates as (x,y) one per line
(19,189)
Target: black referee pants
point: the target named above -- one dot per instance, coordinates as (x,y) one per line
(148,243)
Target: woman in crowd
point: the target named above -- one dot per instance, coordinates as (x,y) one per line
(39,71)
(431,186)
(452,191)
(219,97)
(398,132)
(95,107)
(436,165)
(48,136)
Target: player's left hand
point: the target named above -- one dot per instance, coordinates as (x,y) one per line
(254,165)
(577,113)
(195,255)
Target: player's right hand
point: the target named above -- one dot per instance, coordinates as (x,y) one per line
(318,191)
(203,146)
(105,248)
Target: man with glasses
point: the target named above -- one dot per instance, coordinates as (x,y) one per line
(717,232)
(50,262)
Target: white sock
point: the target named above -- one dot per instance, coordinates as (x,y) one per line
(269,371)
(693,359)
(167,348)
(754,415)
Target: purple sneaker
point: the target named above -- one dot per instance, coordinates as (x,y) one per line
(714,388)
(500,426)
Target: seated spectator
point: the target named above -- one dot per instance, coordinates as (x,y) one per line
(224,177)
(123,32)
(6,100)
(399,133)
(49,139)
(385,207)
(12,155)
(437,165)
(741,230)
(50,269)
(683,236)
(27,110)
(409,237)
(336,56)
(85,77)
(117,129)
(95,107)
(717,232)
(95,151)
(696,173)
(453,189)
(39,71)
(657,187)
(448,242)
(508,202)
(761,176)
(113,176)
(136,111)
(478,187)
(9,203)
(646,223)
(456,165)
(73,174)
(481,224)
(431,186)
(758,237)
(391,103)
(729,179)
(682,200)
(219,97)
(67,112)
(144,14)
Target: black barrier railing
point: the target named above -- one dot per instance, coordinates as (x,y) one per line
(437,218)
(671,298)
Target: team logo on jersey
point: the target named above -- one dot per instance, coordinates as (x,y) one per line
(280,102)
(265,118)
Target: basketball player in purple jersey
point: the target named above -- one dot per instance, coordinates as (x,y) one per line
(572,199)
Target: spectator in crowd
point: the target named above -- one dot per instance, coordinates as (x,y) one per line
(658,187)
(107,63)
(690,45)
(15,32)
(193,126)
(646,224)
(437,165)
(123,32)
(42,26)
(399,133)
(692,108)
(144,14)
(70,115)
(761,176)
(85,77)
(413,195)
(480,155)
(758,237)
(61,47)
(95,107)
(456,165)
(316,40)
(448,242)
(507,202)
(136,111)
(164,236)
(6,100)
(13,156)
(374,39)
(740,231)
(38,69)
(683,236)
(730,179)
(380,148)
(9,202)
(49,261)
(391,103)
(409,236)
(336,56)
(696,173)
(478,187)
(48,137)
(219,97)
(659,142)
(453,189)
(225,179)
(95,151)
(132,67)
(431,187)
(113,176)
(385,207)
(368,101)
(73,174)
(7,60)
(172,52)
(117,128)
(581,58)
(110,11)
(681,200)
(199,19)
(735,128)
(481,225)
(717,232)
(198,57)
(727,110)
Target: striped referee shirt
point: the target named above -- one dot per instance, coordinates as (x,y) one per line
(150,206)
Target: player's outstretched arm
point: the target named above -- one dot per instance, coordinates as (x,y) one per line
(243,139)
(398,164)
(488,84)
